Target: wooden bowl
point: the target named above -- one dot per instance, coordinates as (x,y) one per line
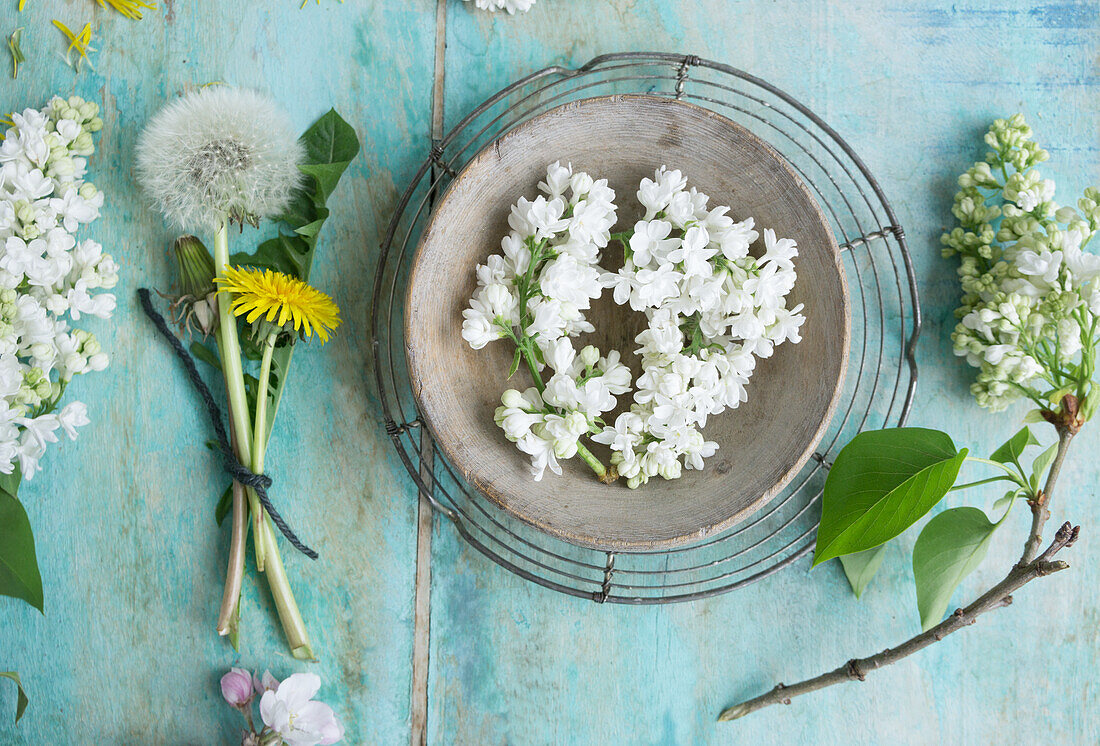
(791,396)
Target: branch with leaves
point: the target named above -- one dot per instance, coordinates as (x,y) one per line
(1028,321)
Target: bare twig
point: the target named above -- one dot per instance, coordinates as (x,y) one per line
(1027,569)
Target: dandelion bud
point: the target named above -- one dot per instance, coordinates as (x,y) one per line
(196,267)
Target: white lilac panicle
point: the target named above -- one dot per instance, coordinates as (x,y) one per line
(1031,298)
(219,153)
(535,293)
(512,6)
(712,308)
(48,277)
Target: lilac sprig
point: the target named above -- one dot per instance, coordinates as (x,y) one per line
(287,709)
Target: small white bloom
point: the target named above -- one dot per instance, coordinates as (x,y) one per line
(291,712)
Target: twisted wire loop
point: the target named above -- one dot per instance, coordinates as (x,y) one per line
(601,595)
(881,375)
(258,482)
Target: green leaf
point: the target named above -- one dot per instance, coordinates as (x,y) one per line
(949,548)
(204,354)
(21,701)
(10,482)
(1040,465)
(330,140)
(1009,453)
(279,254)
(1033,416)
(1002,503)
(330,145)
(515,363)
(19,577)
(882,482)
(225,504)
(862,566)
(325,178)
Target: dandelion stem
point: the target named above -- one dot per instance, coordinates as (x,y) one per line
(230,349)
(291,618)
(259,433)
(293,625)
(230,613)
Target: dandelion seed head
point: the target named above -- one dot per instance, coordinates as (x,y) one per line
(219,153)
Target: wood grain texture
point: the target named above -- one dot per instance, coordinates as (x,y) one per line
(762,444)
(132,562)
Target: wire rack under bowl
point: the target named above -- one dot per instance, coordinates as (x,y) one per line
(881,375)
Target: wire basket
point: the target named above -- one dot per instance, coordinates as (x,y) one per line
(881,376)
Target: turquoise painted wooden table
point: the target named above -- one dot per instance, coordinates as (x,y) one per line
(132,561)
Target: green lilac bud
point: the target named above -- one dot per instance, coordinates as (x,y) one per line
(512,398)
(82,144)
(62,167)
(24,212)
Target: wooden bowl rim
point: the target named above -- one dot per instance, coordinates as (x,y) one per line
(614,545)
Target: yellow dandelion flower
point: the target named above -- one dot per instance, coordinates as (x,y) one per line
(129,8)
(279,299)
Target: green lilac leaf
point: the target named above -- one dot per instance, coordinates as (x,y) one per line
(949,548)
(862,566)
(225,504)
(21,701)
(882,483)
(1010,451)
(19,576)
(1040,465)
(1002,503)
(515,363)
(10,482)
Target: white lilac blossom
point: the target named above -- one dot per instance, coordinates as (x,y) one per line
(219,153)
(712,308)
(1031,298)
(512,6)
(48,277)
(535,293)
